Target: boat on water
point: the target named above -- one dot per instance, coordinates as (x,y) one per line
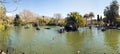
(37,28)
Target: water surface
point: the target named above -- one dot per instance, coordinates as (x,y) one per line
(87,41)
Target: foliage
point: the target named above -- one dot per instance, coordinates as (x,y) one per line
(91,15)
(17,20)
(4,25)
(4,21)
(57,16)
(27,15)
(100,21)
(86,16)
(118,21)
(112,12)
(2,12)
(63,23)
(42,21)
(75,19)
(52,22)
(1,25)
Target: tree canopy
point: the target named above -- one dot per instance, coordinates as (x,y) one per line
(17,20)
(86,16)
(91,14)
(2,11)
(111,12)
(75,19)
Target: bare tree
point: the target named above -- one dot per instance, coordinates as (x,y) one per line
(5,1)
(2,2)
(57,16)
(2,11)
(3,8)
(27,15)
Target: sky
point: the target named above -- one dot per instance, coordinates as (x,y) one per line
(50,7)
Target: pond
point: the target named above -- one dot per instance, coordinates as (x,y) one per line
(48,41)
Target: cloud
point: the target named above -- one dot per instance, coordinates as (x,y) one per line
(9,14)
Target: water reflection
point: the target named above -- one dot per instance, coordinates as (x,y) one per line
(87,41)
(4,39)
(17,30)
(112,39)
(75,39)
(22,39)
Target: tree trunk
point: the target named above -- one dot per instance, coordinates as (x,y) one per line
(86,21)
(91,21)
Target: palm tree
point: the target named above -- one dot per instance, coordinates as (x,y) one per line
(91,15)
(86,16)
